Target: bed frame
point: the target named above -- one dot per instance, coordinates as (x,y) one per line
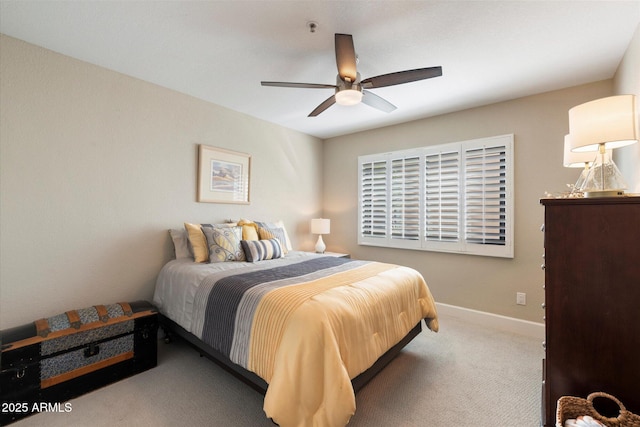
(171,328)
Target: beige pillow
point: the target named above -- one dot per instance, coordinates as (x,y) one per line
(198,242)
(180,240)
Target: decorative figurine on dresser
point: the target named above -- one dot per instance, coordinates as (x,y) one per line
(592,300)
(55,359)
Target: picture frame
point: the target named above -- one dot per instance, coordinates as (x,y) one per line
(223,175)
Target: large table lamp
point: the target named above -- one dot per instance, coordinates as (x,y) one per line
(598,126)
(320,226)
(572,159)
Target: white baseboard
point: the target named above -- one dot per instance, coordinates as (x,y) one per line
(503,323)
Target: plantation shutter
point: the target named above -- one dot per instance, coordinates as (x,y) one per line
(373,199)
(455,197)
(405,198)
(442,197)
(485,195)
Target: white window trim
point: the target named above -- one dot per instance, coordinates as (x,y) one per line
(461,246)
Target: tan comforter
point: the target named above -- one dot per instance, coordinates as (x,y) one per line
(334,331)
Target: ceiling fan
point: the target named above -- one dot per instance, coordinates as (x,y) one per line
(350,89)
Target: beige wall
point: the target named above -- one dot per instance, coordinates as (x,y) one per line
(539,124)
(627,81)
(96,166)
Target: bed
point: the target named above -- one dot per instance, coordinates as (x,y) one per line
(307,330)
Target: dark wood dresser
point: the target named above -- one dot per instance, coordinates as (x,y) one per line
(592,300)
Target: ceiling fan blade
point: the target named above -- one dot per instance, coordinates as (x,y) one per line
(325,104)
(346,57)
(401,77)
(375,101)
(299,85)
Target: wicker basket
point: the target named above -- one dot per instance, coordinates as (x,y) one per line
(572,407)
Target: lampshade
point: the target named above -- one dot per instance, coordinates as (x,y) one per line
(320,226)
(610,121)
(575,160)
(602,125)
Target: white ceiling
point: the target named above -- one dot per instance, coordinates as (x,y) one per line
(219,51)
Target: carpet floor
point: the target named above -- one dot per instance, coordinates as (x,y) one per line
(466,375)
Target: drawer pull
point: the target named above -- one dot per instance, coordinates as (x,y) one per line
(542,266)
(20,373)
(91,351)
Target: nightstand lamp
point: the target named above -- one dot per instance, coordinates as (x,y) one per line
(320,226)
(598,126)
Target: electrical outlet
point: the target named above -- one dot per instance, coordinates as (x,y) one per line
(521,298)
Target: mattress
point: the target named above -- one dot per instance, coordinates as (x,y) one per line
(306,324)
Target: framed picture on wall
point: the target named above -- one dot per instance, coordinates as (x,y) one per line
(223,175)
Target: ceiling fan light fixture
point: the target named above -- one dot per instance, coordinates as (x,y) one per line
(350,88)
(348,97)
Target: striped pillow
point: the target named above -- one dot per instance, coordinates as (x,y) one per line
(259,250)
(286,243)
(274,233)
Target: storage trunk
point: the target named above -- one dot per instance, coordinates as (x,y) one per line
(53,360)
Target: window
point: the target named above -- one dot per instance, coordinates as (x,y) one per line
(450,198)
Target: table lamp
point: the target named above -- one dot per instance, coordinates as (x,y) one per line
(577,160)
(598,126)
(320,226)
